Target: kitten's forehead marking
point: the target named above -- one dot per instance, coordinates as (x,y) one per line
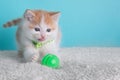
(42,24)
(46,21)
(42,20)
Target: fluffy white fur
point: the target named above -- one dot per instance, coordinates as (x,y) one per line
(27,35)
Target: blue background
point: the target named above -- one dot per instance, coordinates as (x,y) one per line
(84,23)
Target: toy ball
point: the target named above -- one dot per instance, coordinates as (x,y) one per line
(50,60)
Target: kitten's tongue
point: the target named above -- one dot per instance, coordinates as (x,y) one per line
(41,39)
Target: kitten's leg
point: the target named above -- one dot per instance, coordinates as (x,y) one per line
(20,50)
(31,54)
(20,53)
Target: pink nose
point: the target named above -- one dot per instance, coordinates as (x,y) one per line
(43,36)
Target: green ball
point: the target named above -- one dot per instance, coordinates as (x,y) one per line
(50,60)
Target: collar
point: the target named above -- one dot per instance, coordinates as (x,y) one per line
(41,44)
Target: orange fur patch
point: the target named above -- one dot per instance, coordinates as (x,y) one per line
(38,17)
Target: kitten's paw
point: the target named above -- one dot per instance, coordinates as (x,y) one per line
(35,58)
(31,55)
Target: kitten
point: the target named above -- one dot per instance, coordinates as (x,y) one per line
(37,34)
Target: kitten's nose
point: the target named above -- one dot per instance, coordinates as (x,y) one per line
(43,36)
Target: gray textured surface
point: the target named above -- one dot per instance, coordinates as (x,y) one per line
(77,64)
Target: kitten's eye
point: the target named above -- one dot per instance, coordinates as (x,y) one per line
(48,30)
(37,29)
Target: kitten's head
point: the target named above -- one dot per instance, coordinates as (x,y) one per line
(40,25)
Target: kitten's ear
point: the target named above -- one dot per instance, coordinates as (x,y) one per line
(29,15)
(55,15)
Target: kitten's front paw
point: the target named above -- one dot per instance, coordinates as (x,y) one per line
(35,58)
(30,56)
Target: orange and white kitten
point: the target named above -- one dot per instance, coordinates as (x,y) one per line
(37,26)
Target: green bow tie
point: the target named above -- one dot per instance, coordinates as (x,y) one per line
(40,44)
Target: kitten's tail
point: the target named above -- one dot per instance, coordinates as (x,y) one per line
(12,23)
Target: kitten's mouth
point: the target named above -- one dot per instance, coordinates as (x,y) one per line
(41,39)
